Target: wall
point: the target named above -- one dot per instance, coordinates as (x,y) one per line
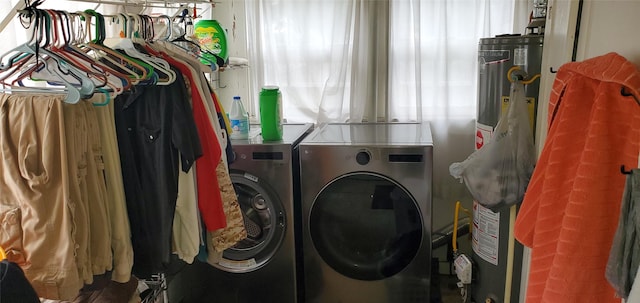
(234,81)
(606,26)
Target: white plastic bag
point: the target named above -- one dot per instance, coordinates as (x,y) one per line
(497,175)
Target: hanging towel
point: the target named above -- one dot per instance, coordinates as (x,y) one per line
(570,210)
(634,295)
(624,257)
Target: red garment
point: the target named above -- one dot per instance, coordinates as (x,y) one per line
(209,198)
(570,210)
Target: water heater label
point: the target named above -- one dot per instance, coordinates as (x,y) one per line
(520,56)
(486,233)
(483,134)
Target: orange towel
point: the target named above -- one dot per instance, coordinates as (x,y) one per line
(570,210)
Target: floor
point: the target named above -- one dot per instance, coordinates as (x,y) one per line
(449,291)
(444,288)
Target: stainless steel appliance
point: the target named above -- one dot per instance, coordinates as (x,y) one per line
(366,202)
(261,268)
(494,278)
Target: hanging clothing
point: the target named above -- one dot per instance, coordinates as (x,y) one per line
(624,257)
(209,199)
(634,294)
(88,189)
(117,208)
(570,210)
(36,209)
(155,128)
(186,222)
(233,230)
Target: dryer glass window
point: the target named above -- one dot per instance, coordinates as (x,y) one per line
(264,221)
(365,226)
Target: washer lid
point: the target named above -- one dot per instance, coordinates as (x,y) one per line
(378,134)
(292,134)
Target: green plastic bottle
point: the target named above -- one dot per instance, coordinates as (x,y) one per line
(212,37)
(271,113)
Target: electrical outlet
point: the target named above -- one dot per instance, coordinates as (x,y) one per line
(463,266)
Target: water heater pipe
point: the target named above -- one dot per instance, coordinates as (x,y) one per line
(511,248)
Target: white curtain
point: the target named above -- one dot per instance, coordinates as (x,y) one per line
(433,76)
(381,60)
(303,47)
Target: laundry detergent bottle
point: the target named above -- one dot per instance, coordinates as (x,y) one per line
(239,120)
(271,113)
(212,37)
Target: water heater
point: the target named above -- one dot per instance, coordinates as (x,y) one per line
(496,255)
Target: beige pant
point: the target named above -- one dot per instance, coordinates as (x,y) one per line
(35,205)
(56,220)
(92,217)
(116,203)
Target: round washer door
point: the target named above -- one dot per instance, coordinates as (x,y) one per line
(264,220)
(365,226)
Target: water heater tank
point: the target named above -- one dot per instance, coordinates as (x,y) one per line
(491,232)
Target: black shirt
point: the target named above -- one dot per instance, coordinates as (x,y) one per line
(154,125)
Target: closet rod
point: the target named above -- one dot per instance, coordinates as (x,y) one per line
(146,3)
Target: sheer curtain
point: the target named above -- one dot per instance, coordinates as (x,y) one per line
(433,75)
(381,60)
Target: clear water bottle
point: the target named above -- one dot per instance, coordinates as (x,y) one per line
(239,120)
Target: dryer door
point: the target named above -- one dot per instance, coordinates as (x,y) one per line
(264,220)
(365,226)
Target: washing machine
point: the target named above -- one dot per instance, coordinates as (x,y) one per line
(366,221)
(262,268)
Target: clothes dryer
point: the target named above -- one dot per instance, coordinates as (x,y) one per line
(261,268)
(366,201)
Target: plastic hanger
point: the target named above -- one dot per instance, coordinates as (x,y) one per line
(117,82)
(44,58)
(112,74)
(58,46)
(64,68)
(116,60)
(126,44)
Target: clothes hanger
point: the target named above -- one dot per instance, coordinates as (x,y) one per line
(132,46)
(64,67)
(12,56)
(136,72)
(126,46)
(42,57)
(138,42)
(119,80)
(59,40)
